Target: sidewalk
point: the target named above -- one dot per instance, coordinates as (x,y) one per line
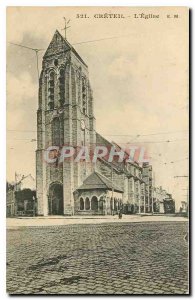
(65,220)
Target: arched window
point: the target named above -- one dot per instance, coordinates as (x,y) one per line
(81,204)
(115,204)
(62,87)
(121,203)
(111,203)
(87,204)
(94,203)
(84,96)
(51,90)
(118,200)
(101,203)
(56,132)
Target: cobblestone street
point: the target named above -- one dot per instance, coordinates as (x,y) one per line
(126,258)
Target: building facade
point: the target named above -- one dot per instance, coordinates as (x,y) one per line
(11,207)
(65,116)
(21,197)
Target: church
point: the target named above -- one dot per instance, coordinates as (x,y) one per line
(65,116)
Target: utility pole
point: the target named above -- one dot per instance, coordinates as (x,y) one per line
(153,186)
(144,198)
(185,176)
(139,191)
(148,197)
(36,53)
(15,178)
(112,187)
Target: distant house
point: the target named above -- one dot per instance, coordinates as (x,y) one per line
(21,197)
(10,200)
(184,207)
(25,202)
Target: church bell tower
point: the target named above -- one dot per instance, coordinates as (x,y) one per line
(64,117)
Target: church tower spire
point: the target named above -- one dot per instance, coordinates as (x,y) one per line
(64,117)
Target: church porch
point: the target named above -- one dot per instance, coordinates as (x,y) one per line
(97,196)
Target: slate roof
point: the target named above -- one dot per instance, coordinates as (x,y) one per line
(98,181)
(100,140)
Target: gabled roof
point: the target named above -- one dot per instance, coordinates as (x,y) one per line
(60,44)
(101,141)
(98,181)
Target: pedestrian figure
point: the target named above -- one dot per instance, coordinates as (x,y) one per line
(120,214)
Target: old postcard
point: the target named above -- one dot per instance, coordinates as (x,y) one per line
(97,150)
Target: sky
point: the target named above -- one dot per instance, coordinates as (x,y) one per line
(139,78)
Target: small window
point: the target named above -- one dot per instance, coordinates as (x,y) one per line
(56,62)
(87,204)
(84,96)
(101,203)
(62,87)
(94,203)
(51,90)
(81,204)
